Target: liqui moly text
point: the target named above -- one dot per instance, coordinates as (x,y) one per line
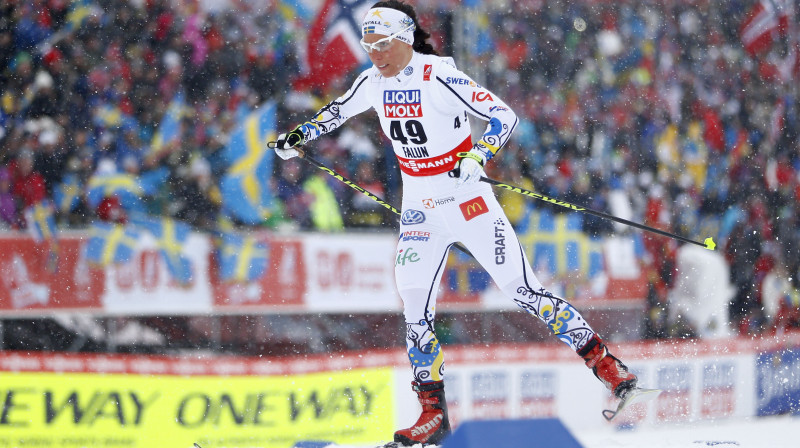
(402,104)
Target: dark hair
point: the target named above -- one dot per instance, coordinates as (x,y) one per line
(421,44)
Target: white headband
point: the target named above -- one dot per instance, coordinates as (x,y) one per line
(388,21)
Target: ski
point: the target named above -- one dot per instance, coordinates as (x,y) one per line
(633,396)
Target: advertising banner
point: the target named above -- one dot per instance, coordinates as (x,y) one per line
(778,382)
(280,288)
(350,272)
(145,281)
(29,283)
(309,272)
(360,398)
(64,410)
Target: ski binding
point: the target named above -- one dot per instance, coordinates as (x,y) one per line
(633,396)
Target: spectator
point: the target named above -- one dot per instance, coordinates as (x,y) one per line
(365,211)
(289,189)
(29,185)
(8,209)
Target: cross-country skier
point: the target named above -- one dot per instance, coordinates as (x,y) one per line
(425,103)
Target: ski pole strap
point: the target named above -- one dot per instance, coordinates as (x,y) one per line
(471,155)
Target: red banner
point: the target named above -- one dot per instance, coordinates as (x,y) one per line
(282,286)
(30,283)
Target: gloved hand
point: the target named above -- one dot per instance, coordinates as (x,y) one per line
(286,144)
(470,168)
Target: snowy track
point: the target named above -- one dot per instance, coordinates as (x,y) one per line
(770,432)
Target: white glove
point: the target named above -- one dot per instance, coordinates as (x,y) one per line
(286,146)
(470,169)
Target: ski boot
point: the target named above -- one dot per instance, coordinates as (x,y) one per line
(607,368)
(433,425)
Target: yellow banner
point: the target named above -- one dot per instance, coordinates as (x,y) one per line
(72,410)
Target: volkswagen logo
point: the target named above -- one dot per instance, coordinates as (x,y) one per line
(412,217)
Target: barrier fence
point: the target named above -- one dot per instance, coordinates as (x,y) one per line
(302,273)
(71,400)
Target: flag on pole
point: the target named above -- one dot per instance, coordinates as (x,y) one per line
(41,221)
(557,244)
(127,187)
(110,243)
(67,194)
(241,258)
(768,20)
(79,12)
(246,195)
(171,237)
(169,129)
(333,47)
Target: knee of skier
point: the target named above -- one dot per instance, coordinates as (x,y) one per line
(416,305)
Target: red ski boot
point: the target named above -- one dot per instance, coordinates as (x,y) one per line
(433,425)
(607,368)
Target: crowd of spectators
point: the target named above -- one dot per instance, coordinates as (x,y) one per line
(657,100)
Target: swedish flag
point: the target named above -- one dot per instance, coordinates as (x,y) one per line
(241,259)
(110,116)
(79,12)
(107,116)
(127,187)
(41,221)
(557,244)
(170,236)
(169,129)
(246,195)
(68,193)
(110,243)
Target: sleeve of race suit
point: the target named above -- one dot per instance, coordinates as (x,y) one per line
(460,91)
(335,113)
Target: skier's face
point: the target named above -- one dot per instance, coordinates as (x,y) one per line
(393,58)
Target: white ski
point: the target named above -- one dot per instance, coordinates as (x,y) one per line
(633,396)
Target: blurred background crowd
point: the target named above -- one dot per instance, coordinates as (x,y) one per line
(670,105)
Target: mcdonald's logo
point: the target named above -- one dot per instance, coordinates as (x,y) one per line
(473,207)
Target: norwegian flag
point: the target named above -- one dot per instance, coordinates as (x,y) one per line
(333,49)
(768,20)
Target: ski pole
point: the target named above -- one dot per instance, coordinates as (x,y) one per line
(708,243)
(304,155)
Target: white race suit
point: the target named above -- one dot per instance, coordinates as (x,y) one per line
(425,111)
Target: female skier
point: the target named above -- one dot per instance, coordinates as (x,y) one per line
(424,104)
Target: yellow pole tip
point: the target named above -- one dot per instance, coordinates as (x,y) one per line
(710,244)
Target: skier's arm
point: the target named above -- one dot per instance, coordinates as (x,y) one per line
(335,113)
(460,91)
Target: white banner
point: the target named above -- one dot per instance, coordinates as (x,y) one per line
(350,272)
(144,284)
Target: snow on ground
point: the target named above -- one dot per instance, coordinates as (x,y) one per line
(771,432)
(767,432)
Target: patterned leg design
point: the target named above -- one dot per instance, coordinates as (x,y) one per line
(563,320)
(424,352)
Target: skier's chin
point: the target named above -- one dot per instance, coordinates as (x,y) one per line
(387,70)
